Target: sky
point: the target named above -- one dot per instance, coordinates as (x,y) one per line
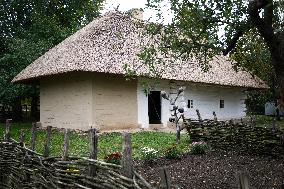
(149,14)
(125,5)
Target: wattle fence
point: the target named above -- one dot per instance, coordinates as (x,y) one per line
(21,167)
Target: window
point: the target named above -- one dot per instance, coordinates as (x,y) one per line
(222,104)
(190,104)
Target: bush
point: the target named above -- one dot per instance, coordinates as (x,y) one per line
(148,153)
(199,147)
(114,158)
(173,152)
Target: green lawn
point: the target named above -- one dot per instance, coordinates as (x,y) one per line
(108,142)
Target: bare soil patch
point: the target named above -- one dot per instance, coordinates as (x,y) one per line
(217,169)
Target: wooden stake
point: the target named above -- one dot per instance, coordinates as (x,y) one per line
(165,182)
(47,141)
(93,150)
(178,133)
(8,130)
(282,140)
(215,116)
(127,169)
(198,115)
(33,137)
(66,144)
(93,143)
(242,180)
(22,138)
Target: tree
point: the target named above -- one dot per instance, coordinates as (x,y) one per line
(211,27)
(28,29)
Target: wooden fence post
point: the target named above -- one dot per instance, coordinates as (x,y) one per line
(33,137)
(215,116)
(47,141)
(22,138)
(274,125)
(252,121)
(242,180)
(7,136)
(127,169)
(198,115)
(66,144)
(281,138)
(93,150)
(165,182)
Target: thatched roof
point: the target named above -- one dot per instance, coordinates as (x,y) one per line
(113,40)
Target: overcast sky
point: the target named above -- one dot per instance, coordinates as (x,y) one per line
(125,5)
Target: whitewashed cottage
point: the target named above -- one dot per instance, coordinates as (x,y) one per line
(82,81)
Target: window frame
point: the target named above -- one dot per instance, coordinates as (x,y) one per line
(189,103)
(222,104)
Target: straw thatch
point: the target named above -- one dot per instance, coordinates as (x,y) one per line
(115,39)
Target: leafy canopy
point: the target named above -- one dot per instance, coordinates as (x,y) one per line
(205,28)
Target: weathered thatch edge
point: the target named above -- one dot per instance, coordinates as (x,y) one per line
(36,81)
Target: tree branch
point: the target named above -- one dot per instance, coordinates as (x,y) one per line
(268,13)
(243,27)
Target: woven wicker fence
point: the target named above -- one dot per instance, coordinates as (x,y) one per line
(21,167)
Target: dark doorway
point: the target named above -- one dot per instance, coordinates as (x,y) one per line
(154,107)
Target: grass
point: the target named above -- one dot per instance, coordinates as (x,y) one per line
(266,121)
(107,142)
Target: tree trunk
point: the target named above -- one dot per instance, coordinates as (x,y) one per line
(278,63)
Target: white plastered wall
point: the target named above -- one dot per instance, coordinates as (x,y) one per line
(206,98)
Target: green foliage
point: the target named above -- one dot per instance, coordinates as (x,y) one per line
(173,152)
(199,148)
(255,57)
(203,29)
(30,28)
(251,53)
(256,100)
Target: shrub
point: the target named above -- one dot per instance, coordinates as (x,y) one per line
(148,153)
(199,147)
(114,158)
(173,152)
